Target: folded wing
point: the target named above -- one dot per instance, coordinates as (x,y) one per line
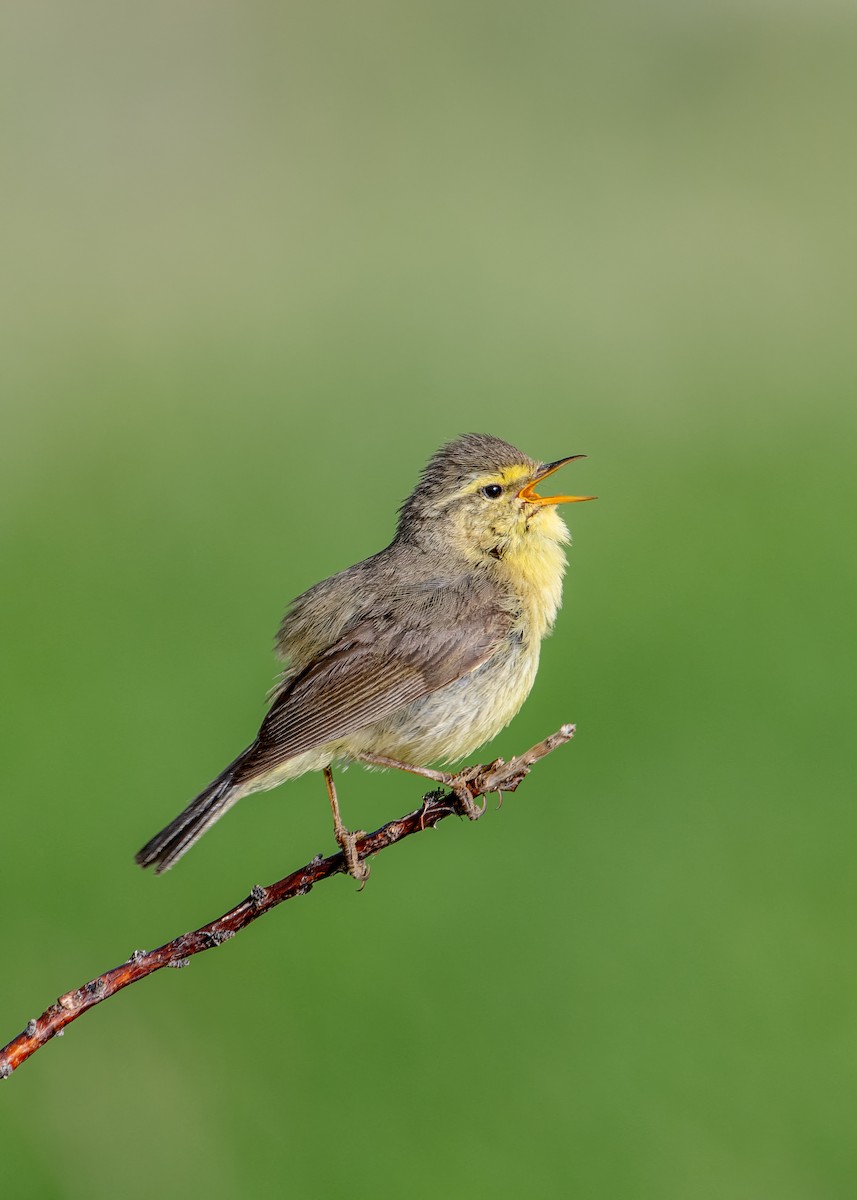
(419,644)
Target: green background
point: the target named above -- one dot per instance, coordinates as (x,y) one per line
(260,261)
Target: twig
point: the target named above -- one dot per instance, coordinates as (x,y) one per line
(480,781)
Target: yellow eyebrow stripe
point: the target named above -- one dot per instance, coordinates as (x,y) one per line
(505,477)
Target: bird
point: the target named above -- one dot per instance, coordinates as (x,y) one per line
(418,654)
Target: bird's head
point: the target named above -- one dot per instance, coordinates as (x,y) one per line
(478,498)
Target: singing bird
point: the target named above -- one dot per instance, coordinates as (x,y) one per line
(416,655)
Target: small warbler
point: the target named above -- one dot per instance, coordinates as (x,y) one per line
(416,655)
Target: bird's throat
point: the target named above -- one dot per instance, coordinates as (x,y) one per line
(532,567)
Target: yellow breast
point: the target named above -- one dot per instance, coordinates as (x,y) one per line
(533,567)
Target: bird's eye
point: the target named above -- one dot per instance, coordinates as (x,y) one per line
(492,491)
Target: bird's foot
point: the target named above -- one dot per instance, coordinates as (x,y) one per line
(465,804)
(346,840)
(357,869)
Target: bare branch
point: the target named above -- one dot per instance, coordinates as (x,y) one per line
(479,781)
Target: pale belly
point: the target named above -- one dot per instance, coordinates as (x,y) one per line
(455,720)
(440,728)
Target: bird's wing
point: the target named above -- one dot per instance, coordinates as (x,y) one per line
(379,665)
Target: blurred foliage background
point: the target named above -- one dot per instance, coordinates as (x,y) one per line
(259,261)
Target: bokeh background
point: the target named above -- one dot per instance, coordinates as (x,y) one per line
(259,261)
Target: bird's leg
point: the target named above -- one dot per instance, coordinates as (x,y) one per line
(458,783)
(347,841)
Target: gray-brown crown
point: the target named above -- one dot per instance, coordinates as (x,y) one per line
(455,464)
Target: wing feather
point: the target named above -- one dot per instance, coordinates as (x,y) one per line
(379,665)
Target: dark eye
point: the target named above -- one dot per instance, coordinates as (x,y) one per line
(492,491)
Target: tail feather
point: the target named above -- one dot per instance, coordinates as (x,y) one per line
(175,839)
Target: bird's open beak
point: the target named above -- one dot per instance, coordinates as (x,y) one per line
(528,492)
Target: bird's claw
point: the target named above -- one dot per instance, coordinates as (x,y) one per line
(464,800)
(356,868)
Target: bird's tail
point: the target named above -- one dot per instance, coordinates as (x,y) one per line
(168,846)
